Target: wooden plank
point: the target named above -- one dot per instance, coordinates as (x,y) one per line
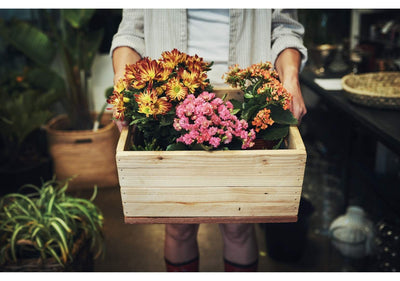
(224,159)
(122,142)
(219,194)
(295,140)
(137,180)
(198,220)
(214,171)
(205,209)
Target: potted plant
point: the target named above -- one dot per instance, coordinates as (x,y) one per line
(24,110)
(48,230)
(65,50)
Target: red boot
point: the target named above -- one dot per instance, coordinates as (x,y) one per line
(190,266)
(234,267)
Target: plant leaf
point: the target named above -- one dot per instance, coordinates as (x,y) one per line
(60,233)
(282,116)
(274,132)
(13,241)
(176,146)
(77,17)
(30,40)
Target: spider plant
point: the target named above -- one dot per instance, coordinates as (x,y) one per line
(47,223)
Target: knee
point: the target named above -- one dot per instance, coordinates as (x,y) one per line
(237,233)
(181,232)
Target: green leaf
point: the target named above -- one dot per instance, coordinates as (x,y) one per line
(94,194)
(62,223)
(282,116)
(250,111)
(30,202)
(176,146)
(235,111)
(236,104)
(51,204)
(50,81)
(77,17)
(60,233)
(278,145)
(54,254)
(18,228)
(274,132)
(30,40)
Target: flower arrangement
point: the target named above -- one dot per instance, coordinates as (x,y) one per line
(266,102)
(170,101)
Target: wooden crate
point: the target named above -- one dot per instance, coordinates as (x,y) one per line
(251,186)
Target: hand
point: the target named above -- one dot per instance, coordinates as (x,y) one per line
(297,107)
(120,124)
(121,57)
(287,65)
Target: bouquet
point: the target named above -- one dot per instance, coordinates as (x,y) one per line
(266,102)
(172,104)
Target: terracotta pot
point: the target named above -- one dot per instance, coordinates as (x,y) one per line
(87,155)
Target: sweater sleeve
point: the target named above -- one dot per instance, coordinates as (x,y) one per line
(130,31)
(287,32)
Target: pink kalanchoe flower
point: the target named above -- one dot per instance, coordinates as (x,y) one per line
(209,120)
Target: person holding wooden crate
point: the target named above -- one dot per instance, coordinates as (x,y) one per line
(226,37)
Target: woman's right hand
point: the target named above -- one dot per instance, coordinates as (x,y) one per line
(120,124)
(121,57)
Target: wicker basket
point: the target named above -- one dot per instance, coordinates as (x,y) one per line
(380,89)
(88,155)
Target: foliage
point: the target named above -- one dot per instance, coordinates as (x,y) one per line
(25,108)
(68,39)
(266,102)
(148,146)
(47,223)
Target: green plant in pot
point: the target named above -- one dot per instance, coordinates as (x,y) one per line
(23,111)
(68,40)
(65,50)
(48,229)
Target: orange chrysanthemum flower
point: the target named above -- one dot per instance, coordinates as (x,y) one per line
(147,71)
(172,59)
(118,102)
(150,104)
(120,86)
(146,101)
(162,106)
(130,74)
(190,80)
(176,90)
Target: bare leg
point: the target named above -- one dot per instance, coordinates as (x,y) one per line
(180,245)
(240,243)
